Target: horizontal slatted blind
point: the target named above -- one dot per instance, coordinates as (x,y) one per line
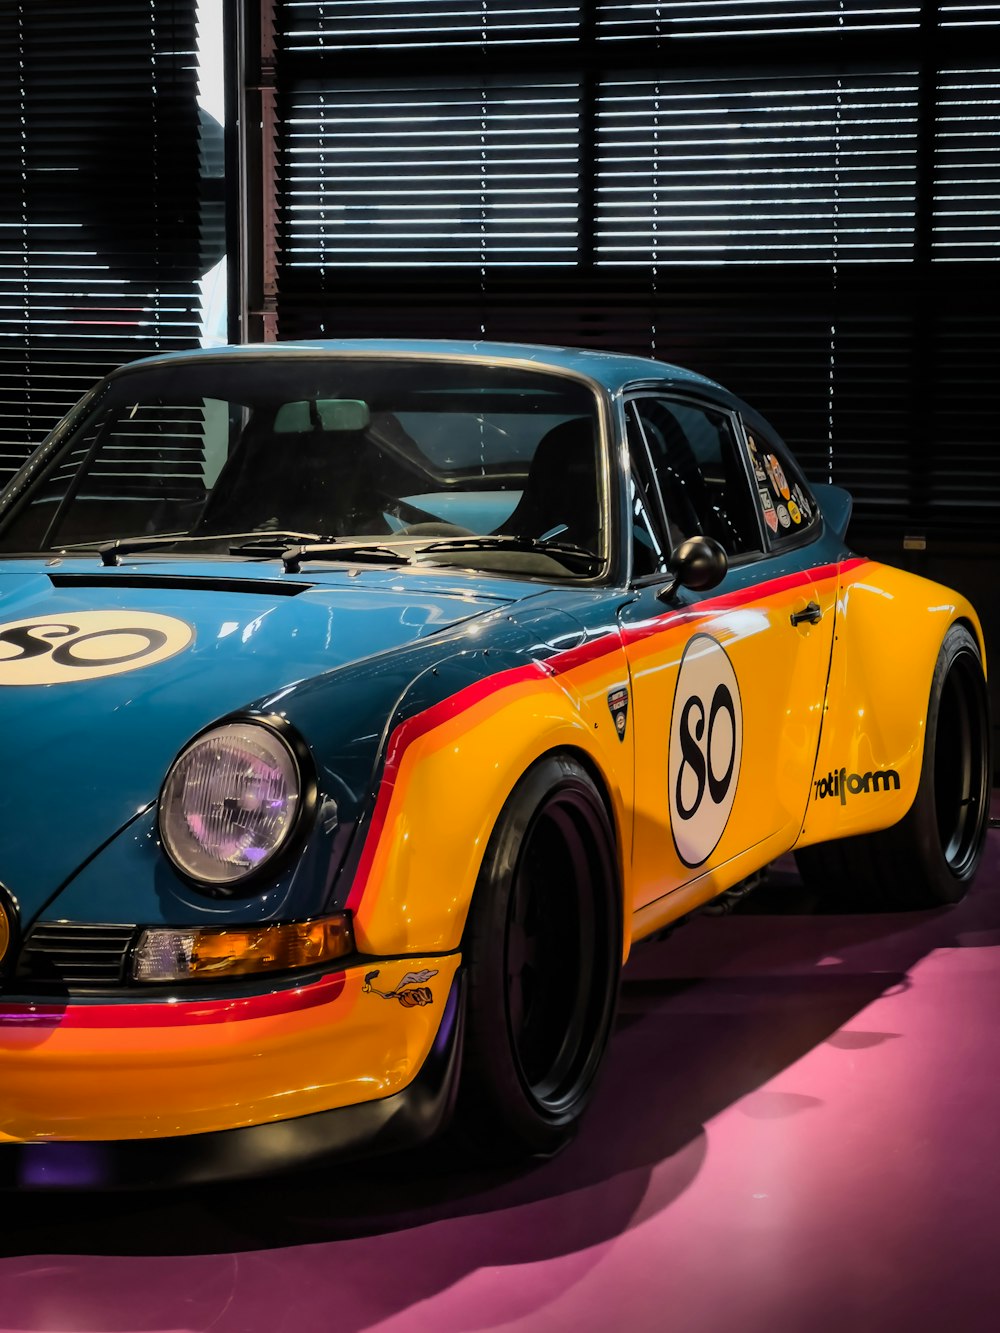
(381,25)
(99,188)
(959,15)
(967,166)
(692,19)
(800,168)
(963,476)
(797,197)
(156,452)
(458,174)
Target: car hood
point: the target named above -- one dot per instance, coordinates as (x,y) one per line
(105,675)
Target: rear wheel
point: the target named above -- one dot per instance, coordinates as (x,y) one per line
(543,949)
(931,856)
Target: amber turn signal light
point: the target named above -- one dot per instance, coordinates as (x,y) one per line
(171,954)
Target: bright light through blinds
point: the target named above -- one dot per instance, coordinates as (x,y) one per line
(693,19)
(967,166)
(100,235)
(455,175)
(213,287)
(969,16)
(358,25)
(794,196)
(816,169)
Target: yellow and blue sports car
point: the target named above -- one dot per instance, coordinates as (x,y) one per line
(362,703)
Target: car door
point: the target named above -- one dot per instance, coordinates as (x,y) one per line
(727,685)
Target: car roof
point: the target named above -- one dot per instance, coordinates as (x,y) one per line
(612,370)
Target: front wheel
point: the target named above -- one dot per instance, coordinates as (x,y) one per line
(543,949)
(931,856)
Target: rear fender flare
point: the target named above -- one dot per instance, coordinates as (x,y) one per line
(888,633)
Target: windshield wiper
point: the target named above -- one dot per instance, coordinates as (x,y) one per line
(370,553)
(126,545)
(564,551)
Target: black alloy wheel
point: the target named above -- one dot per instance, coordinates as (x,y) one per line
(961,762)
(543,948)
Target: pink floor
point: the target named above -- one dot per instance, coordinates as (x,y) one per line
(799,1129)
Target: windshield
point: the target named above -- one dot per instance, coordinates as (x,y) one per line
(332,447)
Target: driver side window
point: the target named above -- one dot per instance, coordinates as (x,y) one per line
(700,474)
(652,542)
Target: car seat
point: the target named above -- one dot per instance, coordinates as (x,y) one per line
(561,493)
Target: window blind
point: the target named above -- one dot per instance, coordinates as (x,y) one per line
(453,175)
(693,19)
(381,25)
(796,197)
(99,199)
(966,222)
(968,15)
(796,169)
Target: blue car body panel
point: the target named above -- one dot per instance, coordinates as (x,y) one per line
(246,644)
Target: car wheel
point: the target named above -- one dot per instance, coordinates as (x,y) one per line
(543,950)
(931,856)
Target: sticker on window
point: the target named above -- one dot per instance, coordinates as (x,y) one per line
(767,509)
(758,469)
(776,476)
(801,499)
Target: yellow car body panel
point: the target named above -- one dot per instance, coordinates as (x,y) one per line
(139,1071)
(448,773)
(889,631)
(809,699)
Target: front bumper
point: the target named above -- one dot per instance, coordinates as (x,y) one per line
(104,1095)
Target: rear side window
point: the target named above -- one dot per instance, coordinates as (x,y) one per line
(786,504)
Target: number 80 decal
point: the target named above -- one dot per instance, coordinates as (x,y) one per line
(706,744)
(87,645)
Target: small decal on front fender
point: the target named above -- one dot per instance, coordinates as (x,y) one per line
(618,706)
(411,991)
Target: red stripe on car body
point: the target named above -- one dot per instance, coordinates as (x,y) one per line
(409,731)
(175,1013)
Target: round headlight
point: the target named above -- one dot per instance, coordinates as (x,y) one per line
(230,802)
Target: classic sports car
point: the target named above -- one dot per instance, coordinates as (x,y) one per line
(362,703)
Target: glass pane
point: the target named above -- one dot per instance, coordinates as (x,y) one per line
(331,448)
(701,477)
(786,505)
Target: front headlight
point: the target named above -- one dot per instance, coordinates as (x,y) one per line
(230,802)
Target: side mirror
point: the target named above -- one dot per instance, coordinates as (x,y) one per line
(699,563)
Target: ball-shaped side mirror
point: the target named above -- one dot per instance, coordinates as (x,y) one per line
(699,563)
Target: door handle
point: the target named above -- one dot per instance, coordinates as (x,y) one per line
(810,613)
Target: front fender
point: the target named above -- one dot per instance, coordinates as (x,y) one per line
(460,740)
(889,629)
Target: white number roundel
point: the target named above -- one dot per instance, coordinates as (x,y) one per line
(706,745)
(85,645)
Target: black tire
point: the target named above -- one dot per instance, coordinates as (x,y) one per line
(543,950)
(931,856)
